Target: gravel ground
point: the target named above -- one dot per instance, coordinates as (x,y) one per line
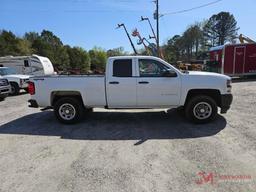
(151,150)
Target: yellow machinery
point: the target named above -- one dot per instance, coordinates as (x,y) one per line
(244,39)
(190,67)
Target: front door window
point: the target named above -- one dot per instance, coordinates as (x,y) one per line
(151,68)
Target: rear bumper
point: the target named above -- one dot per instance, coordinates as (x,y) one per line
(33,103)
(226,101)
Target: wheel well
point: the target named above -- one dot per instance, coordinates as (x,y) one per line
(56,95)
(213,93)
(13,82)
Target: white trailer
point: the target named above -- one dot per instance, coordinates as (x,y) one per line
(28,65)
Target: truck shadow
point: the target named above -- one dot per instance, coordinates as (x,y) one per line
(140,126)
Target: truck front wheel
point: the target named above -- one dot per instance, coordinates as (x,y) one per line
(68,110)
(201,109)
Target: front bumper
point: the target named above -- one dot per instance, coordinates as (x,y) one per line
(226,101)
(4,91)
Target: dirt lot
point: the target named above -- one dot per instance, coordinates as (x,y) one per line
(128,151)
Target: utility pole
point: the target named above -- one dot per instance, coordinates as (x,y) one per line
(122,25)
(157,27)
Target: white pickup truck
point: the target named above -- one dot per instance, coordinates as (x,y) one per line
(134,82)
(17,81)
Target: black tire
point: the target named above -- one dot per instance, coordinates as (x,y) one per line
(15,89)
(74,108)
(195,104)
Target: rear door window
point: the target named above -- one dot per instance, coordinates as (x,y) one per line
(122,68)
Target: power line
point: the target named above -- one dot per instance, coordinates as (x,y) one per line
(67,10)
(191,9)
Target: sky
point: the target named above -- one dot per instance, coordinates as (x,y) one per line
(90,23)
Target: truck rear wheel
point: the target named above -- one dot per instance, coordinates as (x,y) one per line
(15,89)
(68,110)
(201,109)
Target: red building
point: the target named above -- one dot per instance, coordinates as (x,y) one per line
(234,59)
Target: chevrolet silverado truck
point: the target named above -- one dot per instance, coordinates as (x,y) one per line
(17,81)
(133,82)
(5,88)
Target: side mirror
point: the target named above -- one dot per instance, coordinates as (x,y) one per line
(169,73)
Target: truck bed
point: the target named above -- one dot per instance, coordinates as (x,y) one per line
(91,88)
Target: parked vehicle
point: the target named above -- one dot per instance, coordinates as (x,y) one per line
(28,65)
(17,81)
(5,88)
(234,59)
(134,82)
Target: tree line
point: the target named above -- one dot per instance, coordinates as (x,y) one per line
(196,40)
(192,44)
(63,57)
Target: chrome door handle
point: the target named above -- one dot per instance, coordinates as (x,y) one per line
(114,82)
(143,82)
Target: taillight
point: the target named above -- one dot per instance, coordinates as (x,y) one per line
(31,88)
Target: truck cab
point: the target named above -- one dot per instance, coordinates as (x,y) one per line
(141,82)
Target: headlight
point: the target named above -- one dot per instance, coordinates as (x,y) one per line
(229,82)
(229,85)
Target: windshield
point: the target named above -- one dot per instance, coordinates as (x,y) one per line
(7,71)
